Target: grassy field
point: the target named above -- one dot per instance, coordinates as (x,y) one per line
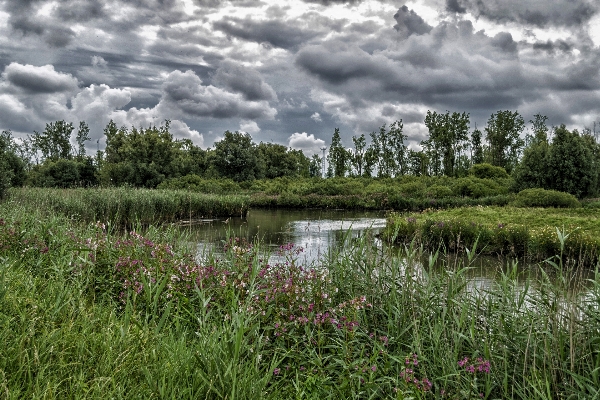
(88,312)
(534,233)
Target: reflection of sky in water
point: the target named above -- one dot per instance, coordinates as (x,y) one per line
(315,231)
(318,231)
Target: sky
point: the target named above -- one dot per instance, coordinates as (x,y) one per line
(291,71)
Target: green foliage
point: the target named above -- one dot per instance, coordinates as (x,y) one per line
(125,207)
(54,142)
(236,157)
(448,137)
(570,165)
(89,312)
(64,173)
(488,171)
(338,156)
(477,187)
(195,183)
(503,132)
(545,198)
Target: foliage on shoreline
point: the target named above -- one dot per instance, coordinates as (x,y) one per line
(533,233)
(86,312)
(126,207)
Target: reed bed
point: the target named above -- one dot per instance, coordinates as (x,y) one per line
(530,233)
(86,312)
(129,206)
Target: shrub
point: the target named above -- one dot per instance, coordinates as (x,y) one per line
(545,198)
(488,171)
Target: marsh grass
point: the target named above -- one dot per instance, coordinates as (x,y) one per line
(529,233)
(129,206)
(88,312)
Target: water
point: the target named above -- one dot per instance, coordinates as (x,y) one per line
(318,231)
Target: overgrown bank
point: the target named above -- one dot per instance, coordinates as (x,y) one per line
(86,312)
(534,233)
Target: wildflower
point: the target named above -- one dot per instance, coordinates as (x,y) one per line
(276,371)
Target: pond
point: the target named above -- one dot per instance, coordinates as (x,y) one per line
(318,231)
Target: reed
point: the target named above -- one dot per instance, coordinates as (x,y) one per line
(89,312)
(128,206)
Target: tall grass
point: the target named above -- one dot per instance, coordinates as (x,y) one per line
(89,313)
(531,233)
(128,206)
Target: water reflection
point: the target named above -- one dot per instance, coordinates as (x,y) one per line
(316,231)
(323,233)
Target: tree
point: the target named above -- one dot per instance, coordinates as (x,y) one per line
(357,158)
(54,142)
(315,167)
(387,151)
(532,171)
(236,157)
(12,167)
(503,133)
(570,164)
(448,137)
(83,135)
(338,156)
(476,147)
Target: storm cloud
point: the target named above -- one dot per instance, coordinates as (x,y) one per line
(292,71)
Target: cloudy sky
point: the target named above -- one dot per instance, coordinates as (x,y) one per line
(291,71)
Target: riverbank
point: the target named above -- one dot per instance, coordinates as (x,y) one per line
(87,311)
(533,233)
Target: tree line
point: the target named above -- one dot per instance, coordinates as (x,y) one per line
(549,157)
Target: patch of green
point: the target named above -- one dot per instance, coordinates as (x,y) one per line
(86,312)
(545,198)
(128,206)
(511,231)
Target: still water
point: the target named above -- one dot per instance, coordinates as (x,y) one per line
(316,231)
(319,231)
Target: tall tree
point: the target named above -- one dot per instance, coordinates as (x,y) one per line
(54,142)
(338,155)
(448,137)
(357,158)
(83,135)
(476,147)
(236,157)
(532,171)
(570,164)
(503,133)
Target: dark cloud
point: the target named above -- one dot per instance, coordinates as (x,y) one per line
(504,41)
(455,7)
(553,46)
(185,92)
(80,10)
(38,79)
(330,2)
(276,33)
(536,13)
(246,81)
(409,22)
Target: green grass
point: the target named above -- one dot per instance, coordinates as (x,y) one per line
(129,206)
(87,312)
(534,233)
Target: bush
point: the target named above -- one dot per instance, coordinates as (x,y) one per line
(198,184)
(488,171)
(545,198)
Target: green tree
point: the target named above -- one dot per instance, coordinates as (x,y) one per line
(236,157)
(532,171)
(12,167)
(448,137)
(338,155)
(503,133)
(83,135)
(316,166)
(54,142)
(357,158)
(570,164)
(477,156)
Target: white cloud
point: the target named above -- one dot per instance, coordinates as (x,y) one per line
(309,144)
(316,117)
(250,127)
